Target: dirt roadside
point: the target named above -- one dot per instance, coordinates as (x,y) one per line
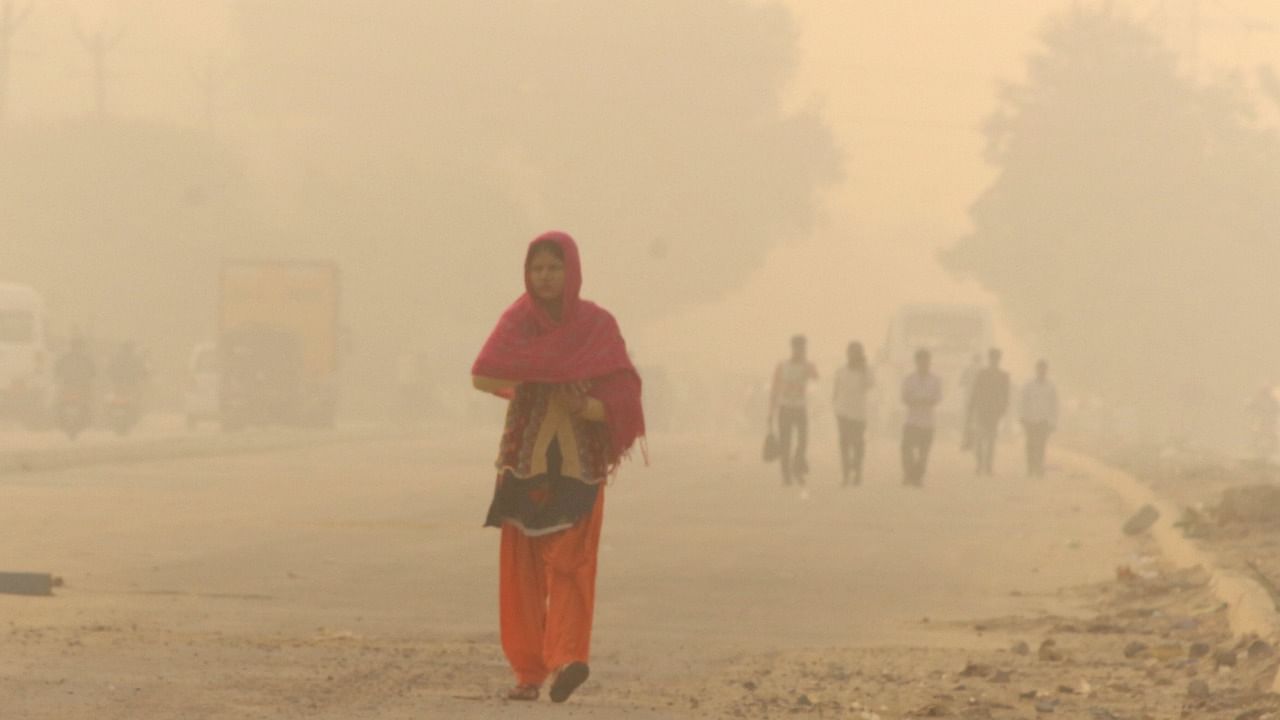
(1228,507)
(1153,642)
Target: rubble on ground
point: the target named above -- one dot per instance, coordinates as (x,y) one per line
(1142,647)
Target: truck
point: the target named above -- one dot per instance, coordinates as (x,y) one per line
(957,336)
(278,341)
(26,380)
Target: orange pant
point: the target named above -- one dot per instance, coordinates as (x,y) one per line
(546,595)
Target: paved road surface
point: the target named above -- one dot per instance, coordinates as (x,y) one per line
(355,581)
(152,426)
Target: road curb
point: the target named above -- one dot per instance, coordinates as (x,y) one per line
(1250,608)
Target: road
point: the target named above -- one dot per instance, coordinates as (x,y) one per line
(152,426)
(355,581)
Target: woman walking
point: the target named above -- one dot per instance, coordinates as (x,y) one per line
(852,386)
(574,412)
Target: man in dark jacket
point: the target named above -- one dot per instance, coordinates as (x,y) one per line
(987,405)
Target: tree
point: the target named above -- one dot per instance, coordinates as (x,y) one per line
(445,134)
(1131,232)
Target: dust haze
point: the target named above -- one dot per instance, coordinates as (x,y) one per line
(737,172)
(236,228)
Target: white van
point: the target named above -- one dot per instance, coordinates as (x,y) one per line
(25,367)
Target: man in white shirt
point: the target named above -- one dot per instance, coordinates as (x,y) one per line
(788,403)
(853,384)
(921,393)
(1039,417)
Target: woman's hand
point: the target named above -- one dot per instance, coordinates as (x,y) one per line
(495,386)
(575,400)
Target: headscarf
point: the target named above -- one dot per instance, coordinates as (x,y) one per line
(584,346)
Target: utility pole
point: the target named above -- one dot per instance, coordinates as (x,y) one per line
(10,21)
(98,45)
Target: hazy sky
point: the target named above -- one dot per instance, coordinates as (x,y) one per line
(904,85)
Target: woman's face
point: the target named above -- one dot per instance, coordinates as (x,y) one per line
(546,276)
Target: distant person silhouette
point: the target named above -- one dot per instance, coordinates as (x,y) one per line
(921,393)
(1264,418)
(853,383)
(789,405)
(1039,417)
(988,403)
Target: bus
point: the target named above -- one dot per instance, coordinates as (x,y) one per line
(278,336)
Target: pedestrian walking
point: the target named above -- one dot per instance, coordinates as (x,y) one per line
(789,407)
(921,393)
(1039,417)
(967,377)
(853,383)
(1264,419)
(988,403)
(573,413)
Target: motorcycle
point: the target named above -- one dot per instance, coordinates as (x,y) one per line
(73,412)
(122,411)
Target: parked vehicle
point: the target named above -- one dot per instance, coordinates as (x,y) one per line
(26,385)
(278,342)
(261,381)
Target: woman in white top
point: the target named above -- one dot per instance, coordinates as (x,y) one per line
(853,384)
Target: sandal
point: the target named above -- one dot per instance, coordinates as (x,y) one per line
(567,680)
(523,693)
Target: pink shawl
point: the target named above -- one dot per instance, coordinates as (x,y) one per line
(586,345)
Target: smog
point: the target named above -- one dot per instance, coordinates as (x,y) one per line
(925,353)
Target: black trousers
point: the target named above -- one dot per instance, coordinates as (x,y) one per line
(1037,443)
(853,446)
(793,422)
(916,442)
